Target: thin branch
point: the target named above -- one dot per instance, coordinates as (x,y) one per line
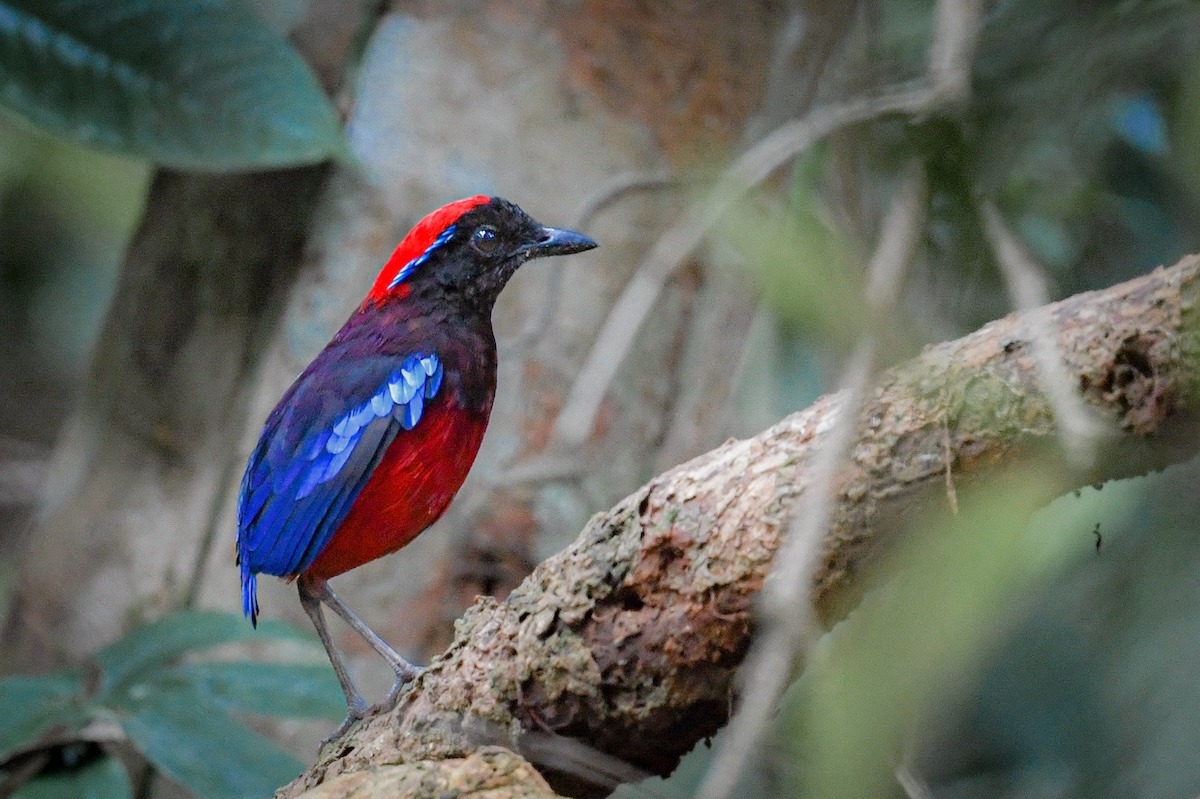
(1082,430)
(956,30)
(914,787)
(952,51)
(948,459)
(619,188)
(791,620)
(577,417)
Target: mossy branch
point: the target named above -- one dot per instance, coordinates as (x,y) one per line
(619,654)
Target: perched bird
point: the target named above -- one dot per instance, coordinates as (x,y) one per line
(369,445)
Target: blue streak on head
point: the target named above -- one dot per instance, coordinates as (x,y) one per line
(412,265)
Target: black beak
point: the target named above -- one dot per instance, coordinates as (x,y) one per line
(556,241)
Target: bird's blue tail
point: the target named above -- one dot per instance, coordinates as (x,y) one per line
(249,593)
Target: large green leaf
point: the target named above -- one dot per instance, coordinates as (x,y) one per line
(163,641)
(280,689)
(192,84)
(29,706)
(193,742)
(103,778)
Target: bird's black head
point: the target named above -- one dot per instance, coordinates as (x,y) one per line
(468,250)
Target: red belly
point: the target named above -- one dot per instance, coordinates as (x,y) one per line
(408,491)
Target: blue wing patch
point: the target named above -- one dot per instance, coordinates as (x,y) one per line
(408,268)
(310,465)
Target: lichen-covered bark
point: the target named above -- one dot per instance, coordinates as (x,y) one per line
(628,642)
(489,773)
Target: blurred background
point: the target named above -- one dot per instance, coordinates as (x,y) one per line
(163,278)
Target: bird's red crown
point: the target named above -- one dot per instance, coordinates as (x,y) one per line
(416,244)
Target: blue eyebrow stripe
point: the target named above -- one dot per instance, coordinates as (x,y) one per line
(412,265)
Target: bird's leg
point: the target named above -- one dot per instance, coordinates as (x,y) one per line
(405,671)
(311,594)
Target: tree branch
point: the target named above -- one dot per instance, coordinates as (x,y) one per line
(628,642)
(790,621)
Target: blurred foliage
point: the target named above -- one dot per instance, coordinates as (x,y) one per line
(1003,658)
(80,771)
(1092,694)
(911,644)
(998,657)
(191,84)
(175,714)
(65,215)
(807,270)
(1082,127)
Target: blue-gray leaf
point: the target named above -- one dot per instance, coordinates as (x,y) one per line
(298,690)
(31,706)
(192,741)
(191,84)
(154,645)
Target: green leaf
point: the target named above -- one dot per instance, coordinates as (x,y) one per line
(280,689)
(915,640)
(193,742)
(163,641)
(103,778)
(30,706)
(191,84)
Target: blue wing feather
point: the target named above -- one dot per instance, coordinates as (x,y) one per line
(315,455)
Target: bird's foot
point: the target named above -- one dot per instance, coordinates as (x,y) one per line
(405,673)
(356,711)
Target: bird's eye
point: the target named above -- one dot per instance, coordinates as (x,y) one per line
(484,239)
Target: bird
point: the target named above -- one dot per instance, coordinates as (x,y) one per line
(371,442)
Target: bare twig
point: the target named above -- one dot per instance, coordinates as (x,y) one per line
(1080,428)
(567,755)
(914,787)
(619,188)
(790,618)
(952,51)
(956,29)
(948,458)
(575,421)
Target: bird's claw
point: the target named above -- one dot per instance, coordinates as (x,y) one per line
(355,712)
(405,674)
(358,709)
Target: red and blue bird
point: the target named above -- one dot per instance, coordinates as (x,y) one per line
(369,445)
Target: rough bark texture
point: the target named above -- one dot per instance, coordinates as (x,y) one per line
(628,642)
(488,773)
